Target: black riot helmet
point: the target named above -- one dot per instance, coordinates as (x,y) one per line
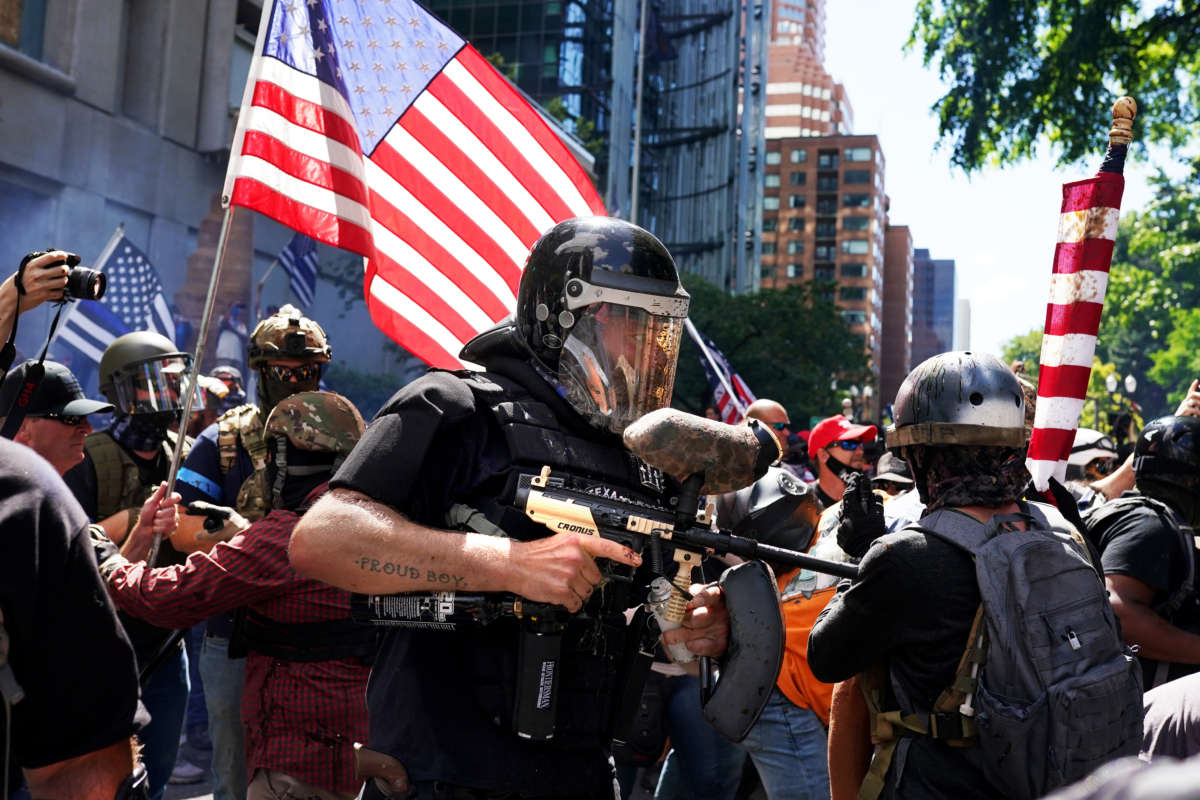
(601,307)
(960,398)
(1166,463)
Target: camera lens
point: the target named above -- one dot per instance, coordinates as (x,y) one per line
(86,284)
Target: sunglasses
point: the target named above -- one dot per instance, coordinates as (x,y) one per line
(850,445)
(779,426)
(300,374)
(71,420)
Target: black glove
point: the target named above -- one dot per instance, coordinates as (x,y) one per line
(862,517)
(221,523)
(108,555)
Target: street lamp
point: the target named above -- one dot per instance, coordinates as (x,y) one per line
(1112,383)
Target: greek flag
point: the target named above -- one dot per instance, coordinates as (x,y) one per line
(299,259)
(134,301)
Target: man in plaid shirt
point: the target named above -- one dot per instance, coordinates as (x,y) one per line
(303,704)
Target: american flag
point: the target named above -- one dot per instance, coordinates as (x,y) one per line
(731,395)
(133,301)
(299,259)
(375,128)
(1087,231)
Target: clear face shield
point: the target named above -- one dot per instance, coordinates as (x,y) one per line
(618,363)
(152,387)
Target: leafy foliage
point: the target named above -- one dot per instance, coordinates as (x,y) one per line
(1026,347)
(1023,70)
(787,344)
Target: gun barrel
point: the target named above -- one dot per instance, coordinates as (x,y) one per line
(749,548)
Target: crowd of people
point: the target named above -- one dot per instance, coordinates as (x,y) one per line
(992,643)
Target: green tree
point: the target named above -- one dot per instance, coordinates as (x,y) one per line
(1026,347)
(1179,364)
(788,344)
(1019,71)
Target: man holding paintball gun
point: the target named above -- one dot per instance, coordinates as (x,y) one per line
(438,497)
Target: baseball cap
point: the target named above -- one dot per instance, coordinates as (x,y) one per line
(837,429)
(892,467)
(59,393)
(1090,444)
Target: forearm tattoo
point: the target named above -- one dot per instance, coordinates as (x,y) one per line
(444,579)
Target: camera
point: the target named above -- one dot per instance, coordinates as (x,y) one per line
(83,283)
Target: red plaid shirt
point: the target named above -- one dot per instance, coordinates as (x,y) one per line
(301,718)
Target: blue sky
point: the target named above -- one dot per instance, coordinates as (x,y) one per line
(1000,224)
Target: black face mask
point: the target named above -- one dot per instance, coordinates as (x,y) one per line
(270,392)
(293,473)
(141,431)
(841,469)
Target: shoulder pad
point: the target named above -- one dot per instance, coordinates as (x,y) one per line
(452,393)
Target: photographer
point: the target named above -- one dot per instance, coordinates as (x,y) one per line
(44,278)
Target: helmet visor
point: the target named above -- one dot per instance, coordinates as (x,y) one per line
(152,387)
(618,363)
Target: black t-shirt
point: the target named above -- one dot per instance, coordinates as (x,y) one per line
(911,607)
(1140,544)
(433,702)
(67,649)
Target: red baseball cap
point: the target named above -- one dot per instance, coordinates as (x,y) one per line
(837,429)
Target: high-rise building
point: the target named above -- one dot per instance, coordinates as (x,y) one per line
(933,305)
(579,60)
(802,98)
(897,310)
(824,215)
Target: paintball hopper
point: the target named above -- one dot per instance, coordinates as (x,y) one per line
(681,445)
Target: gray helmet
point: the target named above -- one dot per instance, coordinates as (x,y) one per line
(143,373)
(959,399)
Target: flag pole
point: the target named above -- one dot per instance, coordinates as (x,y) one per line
(258,290)
(637,114)
(192,382)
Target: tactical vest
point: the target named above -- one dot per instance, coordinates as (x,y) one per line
(118,483)
(243,426)
(594,641)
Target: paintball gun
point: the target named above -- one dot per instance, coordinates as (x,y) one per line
(706,456)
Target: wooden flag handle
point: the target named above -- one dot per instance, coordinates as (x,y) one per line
(1123,111)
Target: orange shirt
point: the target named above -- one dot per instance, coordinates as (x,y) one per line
(804,594)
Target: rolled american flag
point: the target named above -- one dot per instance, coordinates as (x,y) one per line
(1087,231)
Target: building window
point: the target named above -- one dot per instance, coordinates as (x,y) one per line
(796,224)
(795,201)
(795,248)
(798,178)
(768,271)
(826,205)
(827,159)
(768,248)
(23,25)
(857,154)
(795,270)
(852,293)
(770,224)
(799,156)
(856,200)
(774,157)
(826,229)
(854,270)
(856,223)
(771,180)
(857,176)
(827,183)
(823,274)
(857,247)
(770,203)
(855,317)
(824,251)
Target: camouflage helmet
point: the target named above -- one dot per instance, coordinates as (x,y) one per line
(322,422)
(288,334)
